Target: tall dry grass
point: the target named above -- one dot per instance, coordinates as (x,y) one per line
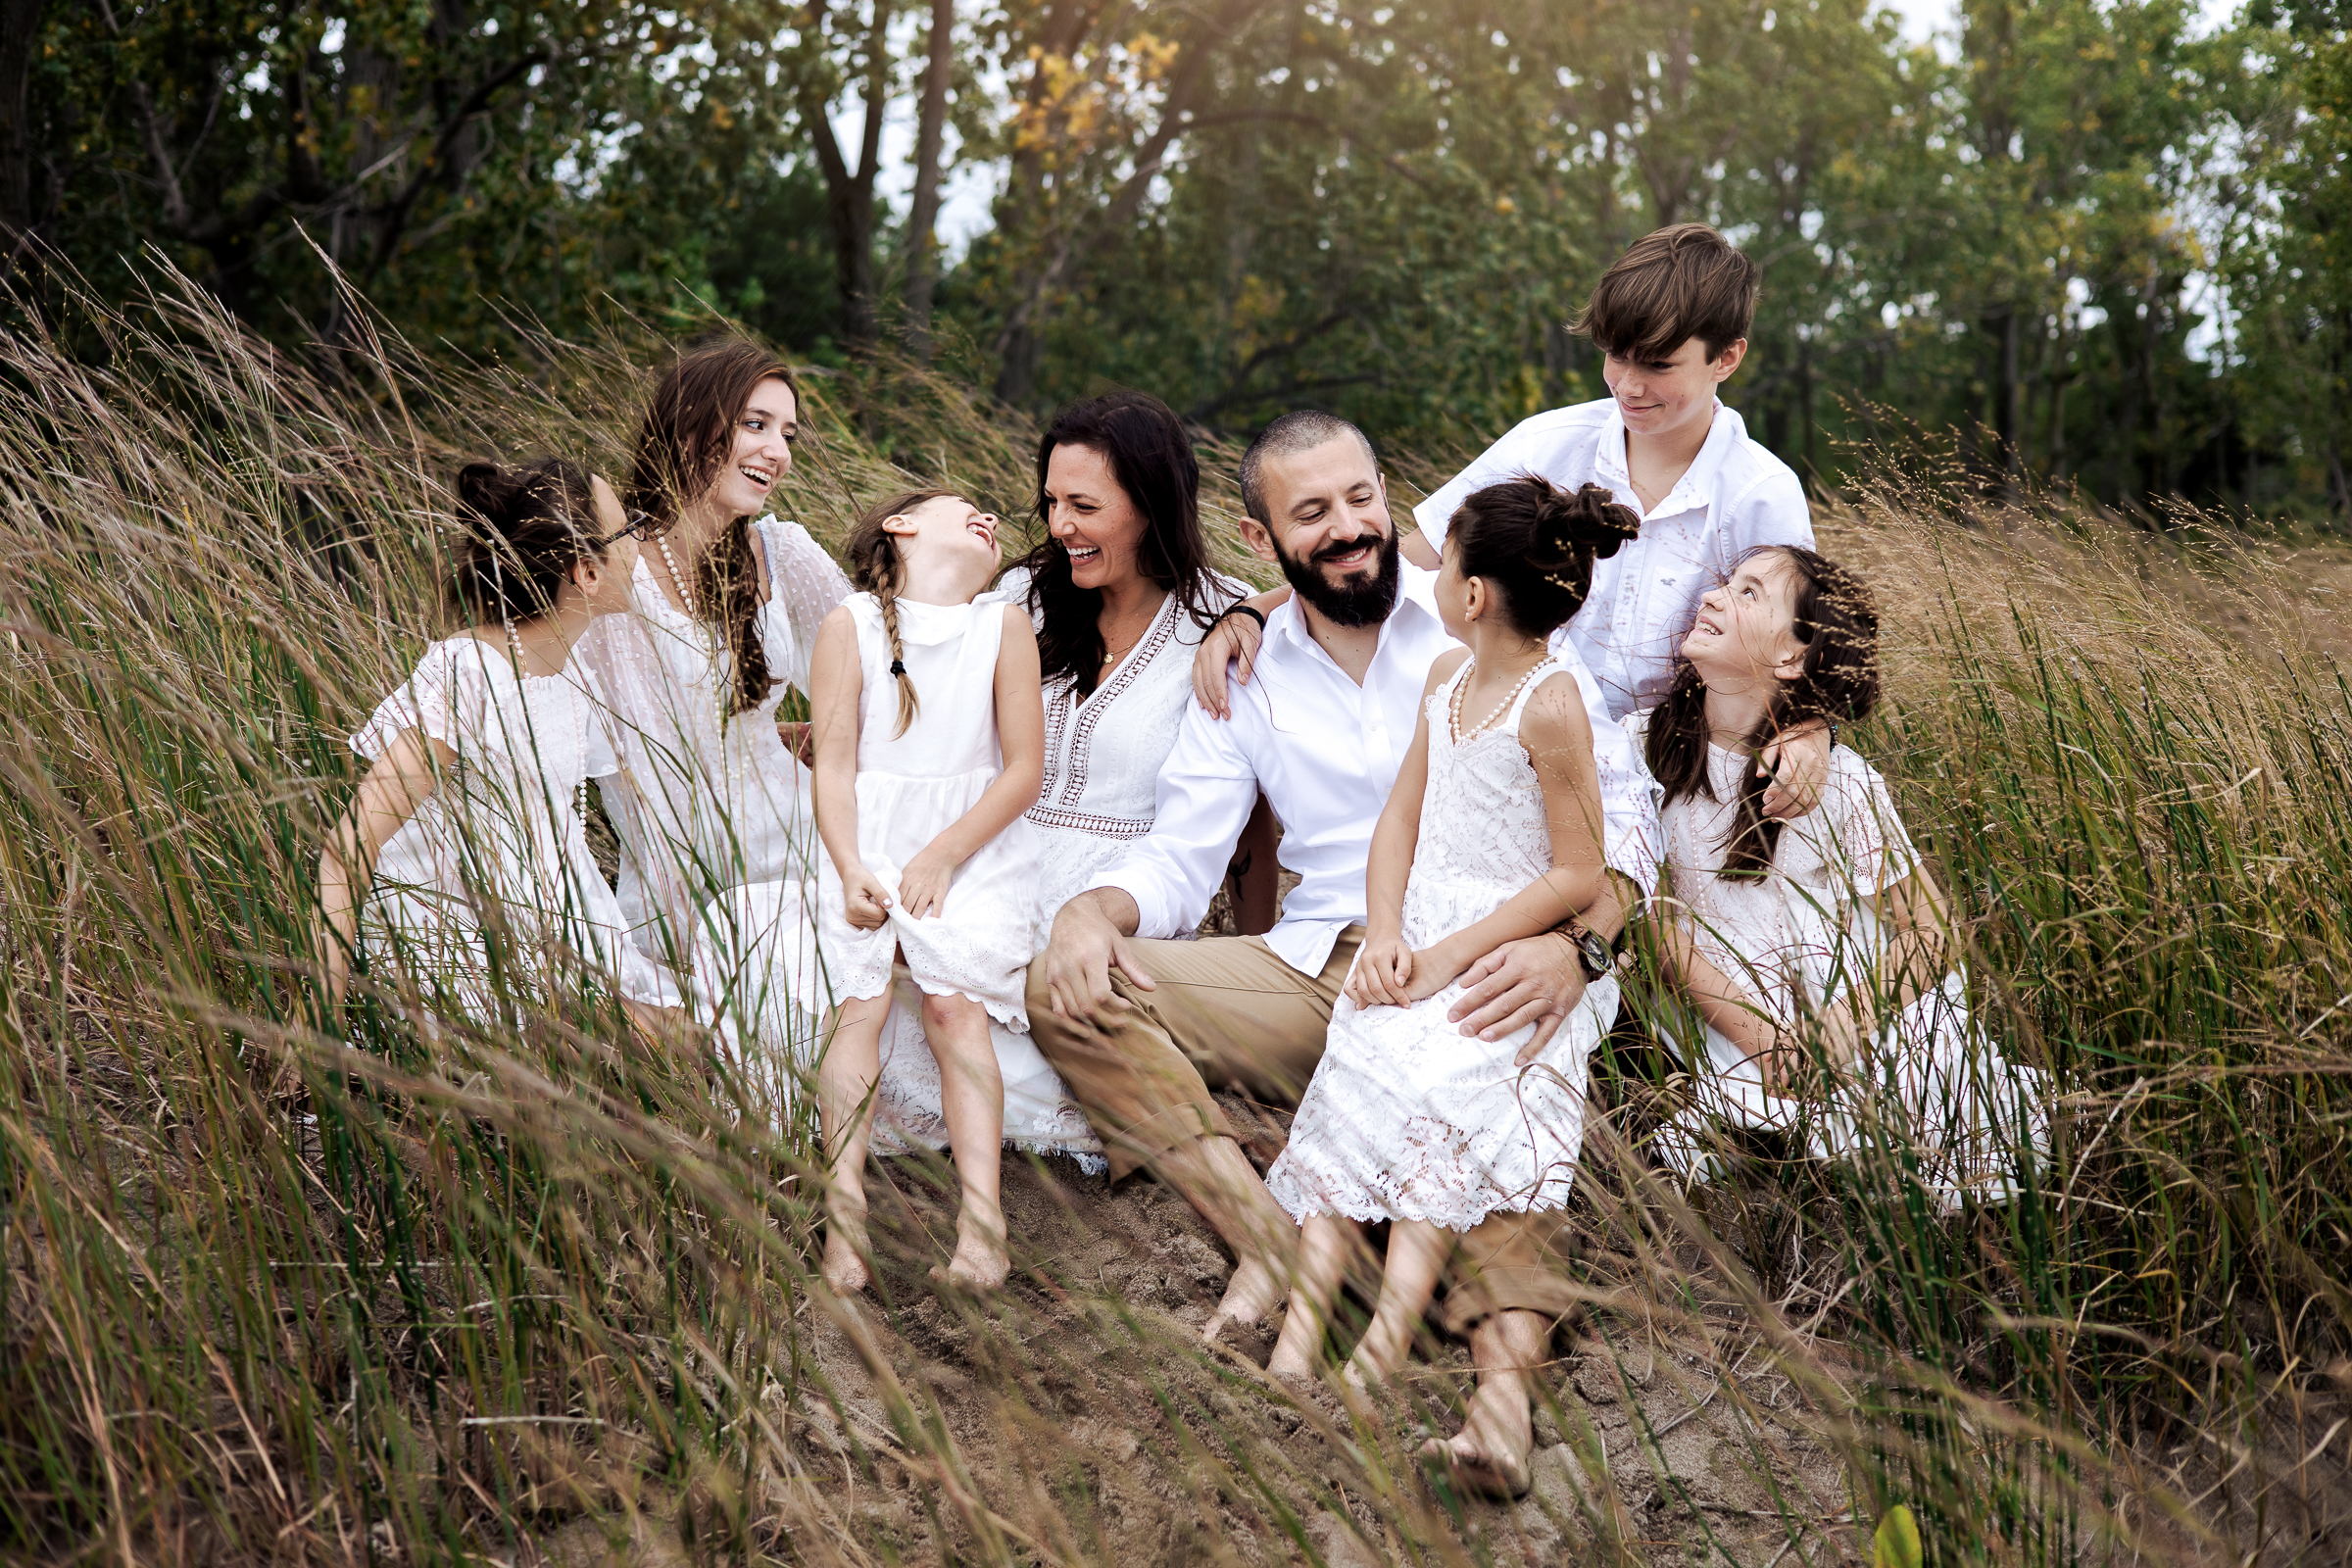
(290,1287)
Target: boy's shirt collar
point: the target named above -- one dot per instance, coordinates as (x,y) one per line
(1692,491)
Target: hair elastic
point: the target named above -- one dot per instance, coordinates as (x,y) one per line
(898,667)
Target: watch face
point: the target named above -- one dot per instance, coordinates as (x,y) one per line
(1596,952)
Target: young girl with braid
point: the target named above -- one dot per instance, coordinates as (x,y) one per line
(1817,952)
(930,743)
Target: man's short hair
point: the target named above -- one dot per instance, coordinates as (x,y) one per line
(1301,430)
(1679,283)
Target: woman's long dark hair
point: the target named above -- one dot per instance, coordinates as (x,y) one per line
(1838,624)
(684,441)
(1143,442)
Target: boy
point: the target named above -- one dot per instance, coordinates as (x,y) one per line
(1670,320)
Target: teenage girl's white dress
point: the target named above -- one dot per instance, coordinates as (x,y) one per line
(1407,1119)
(910,788)
(1801,936)
(703,802)
(499,851)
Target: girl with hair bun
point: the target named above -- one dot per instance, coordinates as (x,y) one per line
(1818,952)
(463,859)
(1492,833)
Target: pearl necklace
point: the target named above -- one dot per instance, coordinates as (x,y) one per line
(1453,715)
(732,763)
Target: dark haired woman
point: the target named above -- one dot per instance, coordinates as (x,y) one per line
(728,603)
(1492,833)
(467,831)
(1121,592)
(1824,938)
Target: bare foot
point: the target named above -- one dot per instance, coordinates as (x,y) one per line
(980,1265)
(1488,1456)
(1251,1293)
(846,1245)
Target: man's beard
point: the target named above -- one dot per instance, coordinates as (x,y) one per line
(1357,602)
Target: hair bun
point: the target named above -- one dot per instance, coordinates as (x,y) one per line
(1592,523)
(483,486)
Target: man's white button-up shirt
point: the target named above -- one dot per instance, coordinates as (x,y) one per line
(1326,751)
(1735,497)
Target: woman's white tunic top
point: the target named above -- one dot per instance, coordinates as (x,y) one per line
(499,848)
(702,803)
(1103,752)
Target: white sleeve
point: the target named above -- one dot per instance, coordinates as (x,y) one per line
(806,584)
(1772,511)
(1631,838)
(445,697)
(1208,788)
(1504,460)
(1861,835)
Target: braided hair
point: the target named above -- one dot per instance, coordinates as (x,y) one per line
(1837,621)
(871,556)
(683,443)
(1535,544)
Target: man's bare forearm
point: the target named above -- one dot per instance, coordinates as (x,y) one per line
(1613,905)
(1115,904)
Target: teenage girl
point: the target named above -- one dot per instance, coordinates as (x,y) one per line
(1820,946)
(930,743)
(1492,833)
(464,856)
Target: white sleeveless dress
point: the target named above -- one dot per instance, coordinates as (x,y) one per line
(911,787)
(796,954)
(501,846)
(1407,1119)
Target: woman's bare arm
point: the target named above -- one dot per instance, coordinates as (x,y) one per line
(401,780)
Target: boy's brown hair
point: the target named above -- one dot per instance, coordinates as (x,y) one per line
(1679,283)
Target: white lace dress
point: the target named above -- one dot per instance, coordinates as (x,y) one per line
(702,803)
(911,786)
(499,851)
(1407,1119)
(1103,752)
(1801,937)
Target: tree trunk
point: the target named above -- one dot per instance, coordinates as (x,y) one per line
(20,25)
(922,259)
(849,192)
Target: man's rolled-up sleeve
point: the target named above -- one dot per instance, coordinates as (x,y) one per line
(1208,788)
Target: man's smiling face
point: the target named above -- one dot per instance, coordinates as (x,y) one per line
(1328,527)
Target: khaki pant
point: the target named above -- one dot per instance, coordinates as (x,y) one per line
(1227,1013)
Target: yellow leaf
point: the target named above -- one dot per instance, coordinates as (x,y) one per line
(1897,1544)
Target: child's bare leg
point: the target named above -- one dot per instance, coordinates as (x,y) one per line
(971,1094)
(1417,1251)
(845,1095)
(1324,1242)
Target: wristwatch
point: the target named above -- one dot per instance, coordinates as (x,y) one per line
(1594,953)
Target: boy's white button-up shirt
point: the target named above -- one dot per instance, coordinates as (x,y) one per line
(1735,497)
(1326,751)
